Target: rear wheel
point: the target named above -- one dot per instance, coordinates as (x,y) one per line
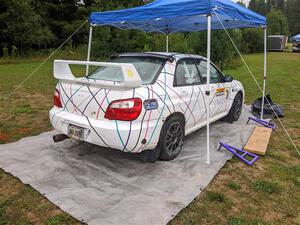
(235,110)
(171,138)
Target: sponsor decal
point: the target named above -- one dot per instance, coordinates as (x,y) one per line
(150,104)
(220,91)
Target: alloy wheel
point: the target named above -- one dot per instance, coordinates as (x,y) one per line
(174,138)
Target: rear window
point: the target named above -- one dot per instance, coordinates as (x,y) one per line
(147,67)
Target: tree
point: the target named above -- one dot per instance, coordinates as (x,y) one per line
(63,17)
(277,4)
(292,10)
(23,26)
(259,6)
(222,51)
(35,24)
(277,23)
(252,40)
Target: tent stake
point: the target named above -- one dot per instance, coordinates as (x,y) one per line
(89,50)
(208,87)
(265,73)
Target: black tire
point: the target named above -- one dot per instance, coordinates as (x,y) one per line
(171,138)
(236,109)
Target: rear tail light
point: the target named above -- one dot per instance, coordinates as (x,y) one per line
(56,99)
(126,109)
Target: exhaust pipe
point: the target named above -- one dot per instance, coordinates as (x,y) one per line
(60,137)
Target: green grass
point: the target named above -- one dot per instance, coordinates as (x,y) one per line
(266,193)
(3,219)
(59,220)
(215,196)
(266,186)
(234,186)
(237,221)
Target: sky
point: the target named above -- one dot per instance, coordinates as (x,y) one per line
(245,1)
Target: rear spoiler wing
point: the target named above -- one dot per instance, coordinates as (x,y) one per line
(131,77)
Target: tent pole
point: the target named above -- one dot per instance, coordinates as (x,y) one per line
(167,42)
(265,73)
(208,88)
(89,50)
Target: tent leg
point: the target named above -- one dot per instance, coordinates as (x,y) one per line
(167,43)
(208,88)
(265,73)
(89,50)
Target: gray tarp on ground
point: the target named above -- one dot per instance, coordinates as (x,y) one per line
(100,186)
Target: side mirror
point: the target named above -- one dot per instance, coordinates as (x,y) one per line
(228,78)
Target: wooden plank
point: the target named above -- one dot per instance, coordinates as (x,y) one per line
(259,140)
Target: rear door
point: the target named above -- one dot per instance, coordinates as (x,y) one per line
(189,98)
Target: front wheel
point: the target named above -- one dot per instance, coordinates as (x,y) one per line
(171,138)
(236,109)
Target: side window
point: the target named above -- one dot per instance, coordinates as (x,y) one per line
(186,73)
(202,69)
(215,75)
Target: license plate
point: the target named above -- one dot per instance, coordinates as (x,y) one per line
(76,132)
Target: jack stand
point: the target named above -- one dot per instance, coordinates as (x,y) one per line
(262,122)
(241,154)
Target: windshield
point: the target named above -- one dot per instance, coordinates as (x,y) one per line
(147,67)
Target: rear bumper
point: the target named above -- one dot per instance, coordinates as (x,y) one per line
(121,135)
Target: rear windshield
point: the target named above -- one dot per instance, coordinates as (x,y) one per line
(147,67)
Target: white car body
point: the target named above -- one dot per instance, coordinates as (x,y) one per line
(84,102)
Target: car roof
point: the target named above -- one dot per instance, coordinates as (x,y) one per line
(161,54)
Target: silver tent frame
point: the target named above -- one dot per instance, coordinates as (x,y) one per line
(89,50)
(265,72)
(208,88)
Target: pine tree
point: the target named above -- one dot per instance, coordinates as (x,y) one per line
(277,23)
(259,6)
(292,10)
(22,26)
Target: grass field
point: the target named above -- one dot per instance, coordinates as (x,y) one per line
(267,193)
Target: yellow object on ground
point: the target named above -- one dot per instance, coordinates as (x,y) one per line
(259,140)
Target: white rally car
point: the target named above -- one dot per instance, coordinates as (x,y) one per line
(141,102)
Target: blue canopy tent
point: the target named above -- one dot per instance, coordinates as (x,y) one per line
(296,38)
(171,16)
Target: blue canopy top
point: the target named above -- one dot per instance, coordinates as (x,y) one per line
(170,16)
(296,38)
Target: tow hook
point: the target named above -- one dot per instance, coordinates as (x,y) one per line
(60,137)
